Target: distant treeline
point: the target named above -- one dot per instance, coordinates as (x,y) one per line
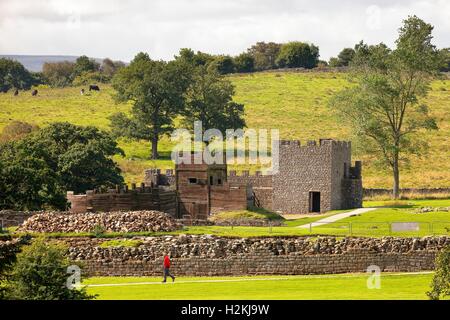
(259,57)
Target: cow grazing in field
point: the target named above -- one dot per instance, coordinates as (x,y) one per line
(94,88)
(16,93)
(34,93)
(82,91)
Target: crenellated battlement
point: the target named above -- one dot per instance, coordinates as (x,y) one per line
(313,143)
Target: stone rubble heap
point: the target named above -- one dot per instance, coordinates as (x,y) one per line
(133,221)
(187,246)
(432,209)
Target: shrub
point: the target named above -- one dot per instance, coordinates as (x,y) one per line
(440,285)
(298,55)
(16,130)
(40,273)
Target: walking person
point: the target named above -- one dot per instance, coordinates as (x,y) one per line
(167,269)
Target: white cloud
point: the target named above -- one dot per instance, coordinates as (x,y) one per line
(119,29)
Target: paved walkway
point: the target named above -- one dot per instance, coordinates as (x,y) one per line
(336,217)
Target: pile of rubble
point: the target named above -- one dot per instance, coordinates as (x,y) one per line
(432,209)
(134,221)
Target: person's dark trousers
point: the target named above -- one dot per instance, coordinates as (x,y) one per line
(167,274)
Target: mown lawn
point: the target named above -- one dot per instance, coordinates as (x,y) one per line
(340,287)
(294,103)
(370,224)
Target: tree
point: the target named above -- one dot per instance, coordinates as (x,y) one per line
(14,75)
(109,67)
(41,273)
(37,171)
(86,78)
(440,286)
(210,100)
(223,64)
(27,183)
(384,108)
(264,55)
(244,63)
(344,58)
(188,56)
(16,130)
(81,157)
(445,58)
(84,64)
(156,89)
(58,74)
(298,55)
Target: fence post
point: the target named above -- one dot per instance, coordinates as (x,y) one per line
(270,226)
(310,227)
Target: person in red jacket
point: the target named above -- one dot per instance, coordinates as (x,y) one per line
(167,269)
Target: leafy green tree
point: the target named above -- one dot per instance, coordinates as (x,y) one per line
(109,68)
(265,55)
(27,183)
(16,130)
(298,55)
(384,107)
(156,89)
(445,58)
(14,75)
(210,100)
(58,74)
(41,273)
(440,286)
(86,78)
(80,156)
(36,172)
(344,58)
(244,63)
(84,64)
(188,56)
(223,64)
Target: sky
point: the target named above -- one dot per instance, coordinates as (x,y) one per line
(119,29)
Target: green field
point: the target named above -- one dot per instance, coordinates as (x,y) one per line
(295,103)
(340,287)
(370,224)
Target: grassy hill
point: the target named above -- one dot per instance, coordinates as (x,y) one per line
(295,103)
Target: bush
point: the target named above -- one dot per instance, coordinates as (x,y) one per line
(440,285)
(298,55)
(244,63)
(40,273)
(16,130)
(58,74)
(87,78)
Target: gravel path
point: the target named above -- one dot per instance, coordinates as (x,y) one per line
(336,217)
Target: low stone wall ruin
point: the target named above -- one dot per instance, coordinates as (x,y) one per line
(218,256)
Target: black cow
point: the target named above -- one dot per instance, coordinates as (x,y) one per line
(16,93)
(34,93)
(94,88)
(82,91)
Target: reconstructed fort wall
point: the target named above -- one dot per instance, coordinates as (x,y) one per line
(124,199)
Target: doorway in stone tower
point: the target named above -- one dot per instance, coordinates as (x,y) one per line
(314,201)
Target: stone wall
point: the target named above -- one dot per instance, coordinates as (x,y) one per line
(405,191)
(10,218)
(216,256)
